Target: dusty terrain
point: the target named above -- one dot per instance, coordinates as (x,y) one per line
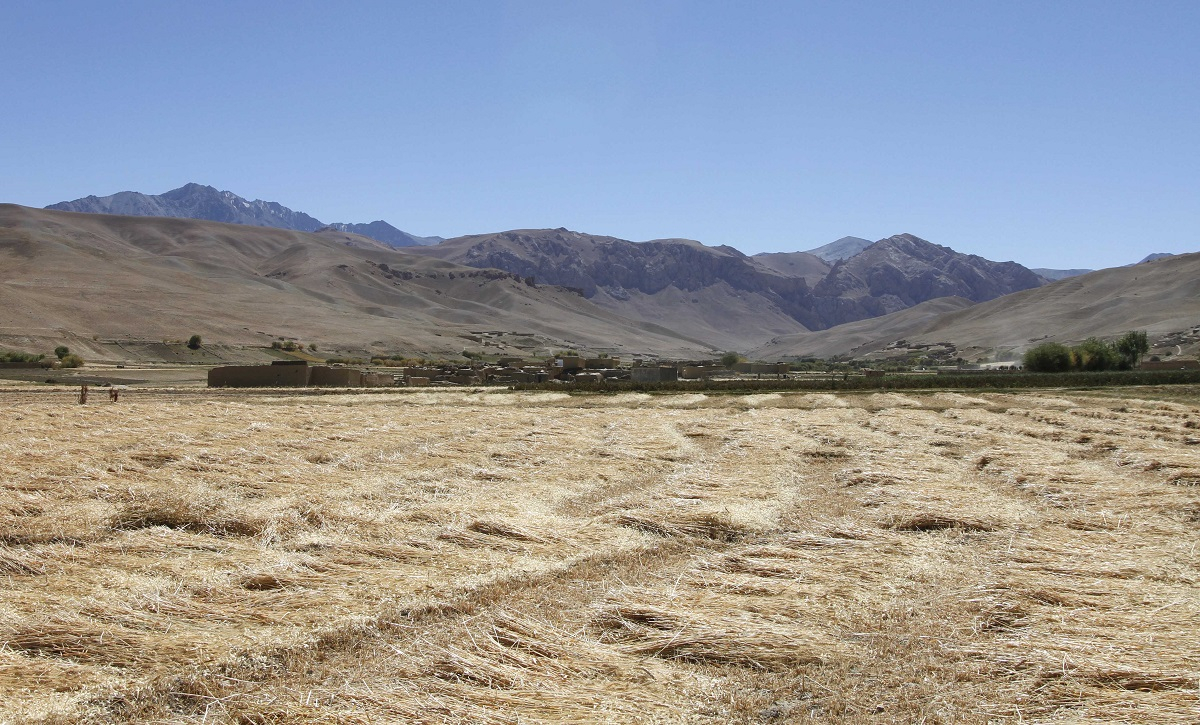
(260,557)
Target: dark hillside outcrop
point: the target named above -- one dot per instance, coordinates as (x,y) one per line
(890,275)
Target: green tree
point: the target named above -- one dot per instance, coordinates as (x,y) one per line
(62,351)
(1131,347)
(730,359)
(1049,357)
(194,342)
(1094,354)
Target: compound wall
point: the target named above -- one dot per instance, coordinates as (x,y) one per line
(258,376)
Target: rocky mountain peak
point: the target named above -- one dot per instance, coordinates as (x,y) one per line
(199,201)
(843,248)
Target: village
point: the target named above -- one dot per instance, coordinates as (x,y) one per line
(506,371)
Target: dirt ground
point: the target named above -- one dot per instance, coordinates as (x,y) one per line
(147,375)
(497,557)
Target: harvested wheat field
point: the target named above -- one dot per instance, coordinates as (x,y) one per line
(493,557)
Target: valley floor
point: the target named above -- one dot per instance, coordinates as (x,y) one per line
(459,556)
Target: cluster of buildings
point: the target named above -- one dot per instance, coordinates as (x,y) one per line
(507,371)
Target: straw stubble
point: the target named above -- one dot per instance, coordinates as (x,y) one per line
(488,557)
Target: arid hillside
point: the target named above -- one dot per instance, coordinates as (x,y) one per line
(77,276)
(461,556)
(711,293)
(1161,297)
(862,337)
(736,301)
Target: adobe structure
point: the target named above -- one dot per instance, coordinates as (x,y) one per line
(294,374)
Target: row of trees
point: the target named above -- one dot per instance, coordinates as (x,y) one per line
(66,358)
(1093,354)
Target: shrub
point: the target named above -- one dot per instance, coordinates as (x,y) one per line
(194,342)
(20,357)
(1049,357)
(730,359)
(72,360)
(62,351)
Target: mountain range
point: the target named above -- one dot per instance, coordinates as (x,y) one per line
(103,283)
(730,299)
(1160,296)
(196,201)
(232,268)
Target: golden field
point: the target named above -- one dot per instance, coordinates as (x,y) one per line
(497,557)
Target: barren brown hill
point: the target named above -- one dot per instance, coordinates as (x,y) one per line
(1161,297)
(71,276)
(860,337)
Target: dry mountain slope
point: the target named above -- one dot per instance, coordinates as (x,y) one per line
(154,278)
(716,294)
(843,248)
(1161,297)
(808,266)
(734,301)
(862,336)
(903,270)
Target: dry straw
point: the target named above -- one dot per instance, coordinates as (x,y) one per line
(467,557)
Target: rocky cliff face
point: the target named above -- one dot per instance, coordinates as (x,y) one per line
(899,272)
(589,263)
(887,276)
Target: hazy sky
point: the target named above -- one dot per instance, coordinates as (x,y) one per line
(1056,134)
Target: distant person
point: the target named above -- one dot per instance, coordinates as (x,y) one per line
(83,394)
(114,394)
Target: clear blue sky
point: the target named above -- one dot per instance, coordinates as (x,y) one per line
(1057,134)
